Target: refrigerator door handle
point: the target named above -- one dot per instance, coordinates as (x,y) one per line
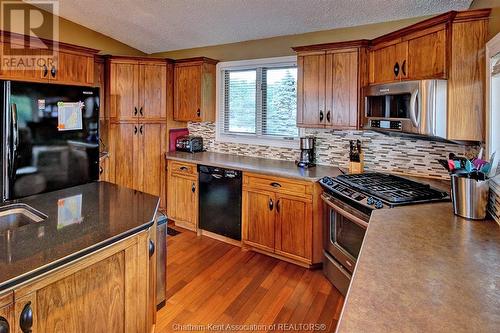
(15,132)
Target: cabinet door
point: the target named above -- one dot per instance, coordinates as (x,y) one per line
(16,65)
(311,90)
(72,68)
(123,139)
(187,90)
(294,226)
(153,138)
(427,56)
(7,321)
(384,60)
(153,92)
(124,91)
(182,200)
(259,212)
(342,90)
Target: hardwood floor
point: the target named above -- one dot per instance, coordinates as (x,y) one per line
(211,282)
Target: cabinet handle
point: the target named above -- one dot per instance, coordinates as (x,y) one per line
(328,116)
(135,129)
(4,325)
(274,184)
(140,129)
(198,113)
(396,69)
(101,170)
(271,204)
(135,110)
(53,71)
(183,168)
(278,205)
(321,115)
(45,71)
(151,248)
(26,318)
(140,111)
(403,67)
(193,188)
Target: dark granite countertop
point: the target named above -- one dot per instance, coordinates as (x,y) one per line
(423,269)
(80,220)
(266,166)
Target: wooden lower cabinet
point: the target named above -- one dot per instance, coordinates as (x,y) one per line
(279,220)
(182,194)
(111,290)
(137,157)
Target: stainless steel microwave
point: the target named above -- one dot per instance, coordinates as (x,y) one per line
(414,107)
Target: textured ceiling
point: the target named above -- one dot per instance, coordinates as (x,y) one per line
(164,25)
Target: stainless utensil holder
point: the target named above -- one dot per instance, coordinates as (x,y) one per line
(470,197)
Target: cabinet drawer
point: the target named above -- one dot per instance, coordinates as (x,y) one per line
(277,184)
(183,168)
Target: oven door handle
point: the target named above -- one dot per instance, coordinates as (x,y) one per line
(344,213)
(413,108)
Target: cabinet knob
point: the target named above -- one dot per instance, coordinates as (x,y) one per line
(396,69)
(271,204)
(53,71)
(45,71)
(328,115)
(4,325)
(193,188)
(26,318)
(321,115)
(151,248)
(101,170)
(403,67)
(198,113)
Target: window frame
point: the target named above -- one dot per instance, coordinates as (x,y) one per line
(220,136)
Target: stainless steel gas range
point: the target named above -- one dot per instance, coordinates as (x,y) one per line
(349,201)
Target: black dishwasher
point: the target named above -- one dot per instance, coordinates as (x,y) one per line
(220,201)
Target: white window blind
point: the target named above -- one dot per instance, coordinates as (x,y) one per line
(259,101)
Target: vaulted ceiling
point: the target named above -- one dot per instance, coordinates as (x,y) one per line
(164,25)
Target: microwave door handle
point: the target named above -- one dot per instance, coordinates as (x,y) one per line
(413,108)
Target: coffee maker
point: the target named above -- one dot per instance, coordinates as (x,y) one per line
(307,152)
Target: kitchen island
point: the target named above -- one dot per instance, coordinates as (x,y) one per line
(423,269)
(87,266)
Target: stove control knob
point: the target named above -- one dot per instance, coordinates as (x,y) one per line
(370,201)
(379,204)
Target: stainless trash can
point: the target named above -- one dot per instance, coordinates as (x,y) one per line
(470,197)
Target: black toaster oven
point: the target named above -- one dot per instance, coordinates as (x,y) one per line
(189,143)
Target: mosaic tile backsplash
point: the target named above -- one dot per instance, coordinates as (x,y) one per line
(382,153)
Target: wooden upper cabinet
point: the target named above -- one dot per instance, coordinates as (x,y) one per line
(341,90)
(427,56)
(153,92)
(45,62)
(194,89)
(328,87)
(388,63)
(123,96)
(311,89)
(137,89)
(72,68)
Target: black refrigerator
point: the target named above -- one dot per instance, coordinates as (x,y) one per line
(50,137)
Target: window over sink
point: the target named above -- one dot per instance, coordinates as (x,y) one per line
(257,102)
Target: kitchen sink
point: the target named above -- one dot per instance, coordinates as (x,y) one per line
(19,215)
